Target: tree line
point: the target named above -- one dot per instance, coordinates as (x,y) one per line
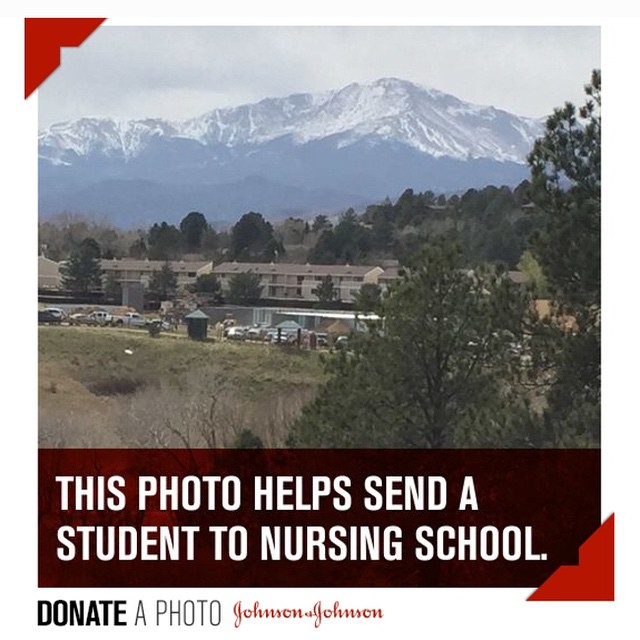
(493,224)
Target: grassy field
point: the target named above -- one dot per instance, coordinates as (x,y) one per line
(169,391)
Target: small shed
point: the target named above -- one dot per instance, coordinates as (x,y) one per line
(290,326)
(197,323)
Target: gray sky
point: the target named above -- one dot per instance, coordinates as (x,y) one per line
(180,72)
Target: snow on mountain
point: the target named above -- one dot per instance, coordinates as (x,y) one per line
(390,110)
(303,153)
(116,138)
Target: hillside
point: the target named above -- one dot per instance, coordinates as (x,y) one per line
(169,391)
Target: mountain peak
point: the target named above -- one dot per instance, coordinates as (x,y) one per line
(298,153)
(391,82)
(388,108)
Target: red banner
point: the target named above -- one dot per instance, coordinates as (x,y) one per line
(324,518)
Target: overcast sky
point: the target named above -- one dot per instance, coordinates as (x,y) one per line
(181,72)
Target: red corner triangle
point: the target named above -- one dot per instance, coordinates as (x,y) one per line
(592,578)
(43,38)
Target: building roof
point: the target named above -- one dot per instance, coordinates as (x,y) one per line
(266,268)
(197,314)
(288,325)
(126,264)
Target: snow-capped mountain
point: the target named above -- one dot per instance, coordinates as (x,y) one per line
(362,142)
(113,138)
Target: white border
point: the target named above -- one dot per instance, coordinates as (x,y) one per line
(446,613)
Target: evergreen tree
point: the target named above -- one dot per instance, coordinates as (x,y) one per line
(163,283)
(325,291)
(244,288)
(565,166)
(193,227)
(82,273)
(112,287)
(436,373)
(165,242)
(382,231)
(348,242)
(368,298)
(321,223)
(207,283)
(325,249)
(252,240)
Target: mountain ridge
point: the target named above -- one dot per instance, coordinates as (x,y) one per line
(360,134)
(364,109)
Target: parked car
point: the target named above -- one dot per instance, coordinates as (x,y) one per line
(235,333)
(286,337)
(46,317)
(253,334)
(61,314)
(130,319)
(101,318)
(79,318)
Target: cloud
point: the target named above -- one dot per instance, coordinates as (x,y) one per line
(180,72)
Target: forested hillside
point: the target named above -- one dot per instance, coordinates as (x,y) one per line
(492,224)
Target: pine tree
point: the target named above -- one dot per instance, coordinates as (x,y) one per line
(566,172)
(565,165)
(193,227)
(325,291)
(252,239)
(82,273)
(244,288)
(368,297)
(435,373)
(163,283)
(112,287)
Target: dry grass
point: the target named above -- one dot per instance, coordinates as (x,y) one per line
(169,392)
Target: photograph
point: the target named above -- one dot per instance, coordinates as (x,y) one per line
(339,237)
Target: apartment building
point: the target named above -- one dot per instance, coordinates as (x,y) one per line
(129,271)
(282,281)
(49,276)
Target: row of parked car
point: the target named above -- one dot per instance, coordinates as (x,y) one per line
(264,334)
(270,334)
(98,317)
